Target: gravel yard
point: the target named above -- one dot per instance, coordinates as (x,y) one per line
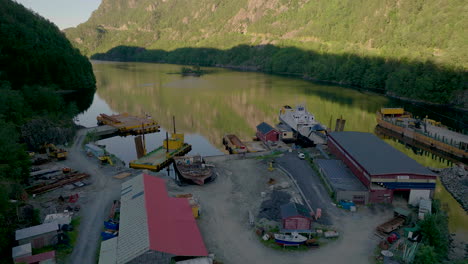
(224,224)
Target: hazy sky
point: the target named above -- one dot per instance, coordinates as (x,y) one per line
(64,13)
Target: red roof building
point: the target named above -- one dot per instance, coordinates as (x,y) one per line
(46,257)
(154,228)
(265,133)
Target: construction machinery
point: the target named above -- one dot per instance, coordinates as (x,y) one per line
(54,152)
(106,159)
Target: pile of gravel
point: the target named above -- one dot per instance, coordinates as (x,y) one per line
(270,209)
(455,180)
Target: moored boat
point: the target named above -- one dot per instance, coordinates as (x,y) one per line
(294,239)
(303,123)
(193,168)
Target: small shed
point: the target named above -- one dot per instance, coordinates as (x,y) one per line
(295,218)
(39,236)
(42,258)
(21,251)
(265,132)
(285,132)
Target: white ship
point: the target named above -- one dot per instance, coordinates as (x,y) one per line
(303,123)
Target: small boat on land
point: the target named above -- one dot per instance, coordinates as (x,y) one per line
(193,168)
(295,239)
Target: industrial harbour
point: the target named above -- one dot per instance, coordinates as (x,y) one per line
(279,188)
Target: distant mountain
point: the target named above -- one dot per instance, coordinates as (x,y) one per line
(422,29)
(324,39)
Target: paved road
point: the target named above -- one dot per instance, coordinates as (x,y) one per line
(311,186)
(103,191)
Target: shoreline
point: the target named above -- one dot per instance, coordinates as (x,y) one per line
(307,78)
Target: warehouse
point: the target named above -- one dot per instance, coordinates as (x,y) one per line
(342,182)
(385,171)
(154,228)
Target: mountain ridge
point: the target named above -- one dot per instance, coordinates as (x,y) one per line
(394,28)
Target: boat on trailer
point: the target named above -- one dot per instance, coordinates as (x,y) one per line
(295,239)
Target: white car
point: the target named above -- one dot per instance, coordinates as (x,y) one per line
(301,155)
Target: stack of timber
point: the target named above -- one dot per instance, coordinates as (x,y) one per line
(127,124)
(425,131)
(46,187)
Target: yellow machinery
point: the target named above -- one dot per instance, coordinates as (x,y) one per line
(392,111)
(106,159)
(176,141)
(54,152)
(432,122)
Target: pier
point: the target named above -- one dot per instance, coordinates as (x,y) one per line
(159,158)
(128,124)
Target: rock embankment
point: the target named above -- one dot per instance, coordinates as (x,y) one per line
(455,180)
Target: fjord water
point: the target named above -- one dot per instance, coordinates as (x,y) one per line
(225,101)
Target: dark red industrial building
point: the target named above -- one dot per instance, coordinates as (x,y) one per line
(384,170)
(265,133)
(295,218)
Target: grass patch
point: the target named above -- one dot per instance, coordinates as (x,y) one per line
(90,136)
(63,250)
(273,155)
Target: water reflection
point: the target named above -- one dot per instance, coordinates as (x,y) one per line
(225,101)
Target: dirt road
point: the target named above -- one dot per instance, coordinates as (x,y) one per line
(100,195)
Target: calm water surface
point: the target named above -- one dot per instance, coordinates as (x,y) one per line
(226,101)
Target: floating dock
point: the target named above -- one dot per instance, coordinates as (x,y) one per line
(426,131)
(163,156)
(128,124)
(159,158)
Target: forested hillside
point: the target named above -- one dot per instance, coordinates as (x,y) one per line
(404,41)
(37,65)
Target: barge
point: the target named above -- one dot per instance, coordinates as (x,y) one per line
(163,156)
(424,131)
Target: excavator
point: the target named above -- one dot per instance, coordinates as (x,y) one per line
(54,152)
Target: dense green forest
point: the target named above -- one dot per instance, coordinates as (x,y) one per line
(409,48)
(38,66)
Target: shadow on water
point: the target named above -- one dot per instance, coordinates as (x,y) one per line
(404,78)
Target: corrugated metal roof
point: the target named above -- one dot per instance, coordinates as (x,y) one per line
(36,230)
(376,156)
(264,128)
(21,250)
(108,253)
(294,209)
(339,176)
(133,227)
